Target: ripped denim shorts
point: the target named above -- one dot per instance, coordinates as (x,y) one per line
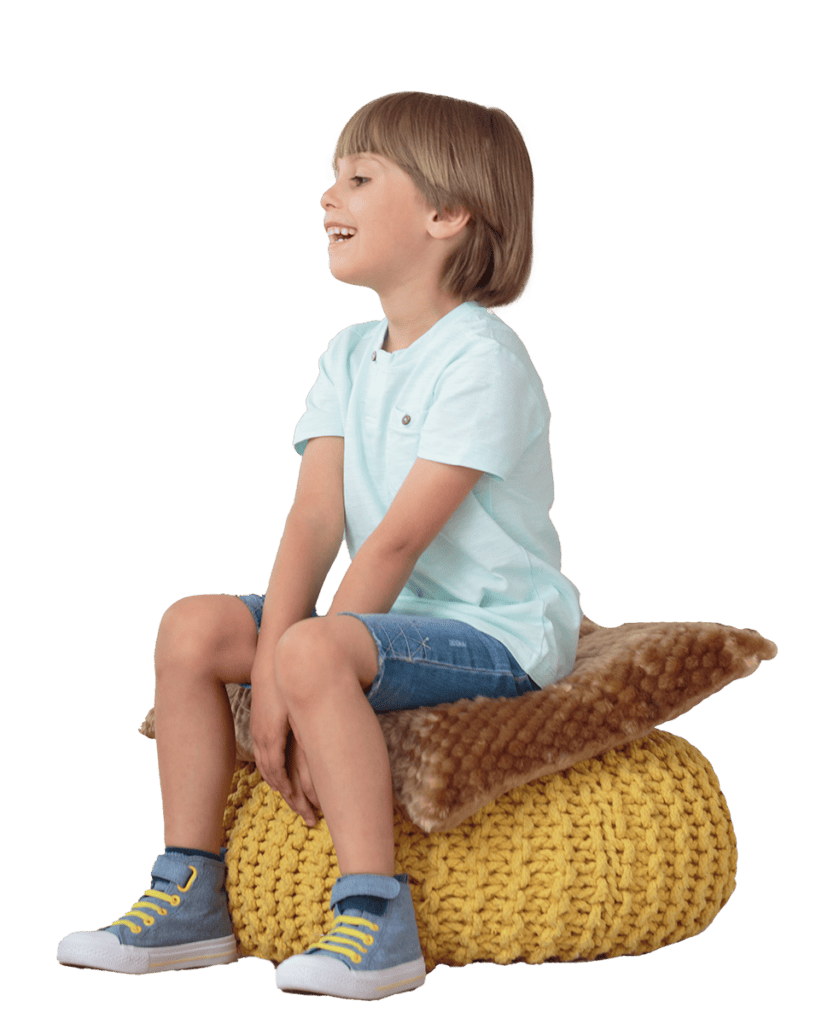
(427,661)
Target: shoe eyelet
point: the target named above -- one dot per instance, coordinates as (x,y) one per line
(356,958)
(175,900)
(149,921)
(160,911)
(137,930)
(368,940)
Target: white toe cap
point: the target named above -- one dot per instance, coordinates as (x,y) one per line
(103,951)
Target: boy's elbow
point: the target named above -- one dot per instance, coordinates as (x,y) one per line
(330,523)
(395,549)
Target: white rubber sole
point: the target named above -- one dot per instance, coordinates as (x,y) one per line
(104,952)
(325,976)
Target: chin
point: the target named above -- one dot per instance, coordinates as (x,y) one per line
(348,277)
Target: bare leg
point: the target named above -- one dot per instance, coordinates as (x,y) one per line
(338,729)
(203,643)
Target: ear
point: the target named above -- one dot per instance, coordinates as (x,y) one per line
(446,223)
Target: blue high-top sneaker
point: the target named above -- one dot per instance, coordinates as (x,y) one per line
(365,955)
(181,921)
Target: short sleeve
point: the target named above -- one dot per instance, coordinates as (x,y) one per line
(323,415)
(485,413)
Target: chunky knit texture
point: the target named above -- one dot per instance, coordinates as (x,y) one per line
(620,854)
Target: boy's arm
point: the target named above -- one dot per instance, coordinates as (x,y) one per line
(429,496)
(311,539)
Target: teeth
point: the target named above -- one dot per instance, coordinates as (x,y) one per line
(344,232)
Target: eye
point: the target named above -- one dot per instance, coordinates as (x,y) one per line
(358,178)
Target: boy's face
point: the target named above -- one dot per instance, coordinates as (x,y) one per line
(391,246)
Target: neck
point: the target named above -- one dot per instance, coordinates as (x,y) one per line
(411,317)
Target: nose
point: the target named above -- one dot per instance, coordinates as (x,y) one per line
(327,200)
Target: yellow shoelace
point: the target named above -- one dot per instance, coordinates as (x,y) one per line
(338,935)
(154,894)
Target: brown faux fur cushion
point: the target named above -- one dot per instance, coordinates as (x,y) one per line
(450,760)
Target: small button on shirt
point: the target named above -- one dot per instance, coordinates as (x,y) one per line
(464,393)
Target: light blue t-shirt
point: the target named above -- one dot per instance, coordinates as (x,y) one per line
(464,393)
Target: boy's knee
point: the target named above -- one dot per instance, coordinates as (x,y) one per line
(332,642)
(188,632)
(307,657)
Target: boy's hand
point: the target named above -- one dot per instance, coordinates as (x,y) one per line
(302,781)
(269,728)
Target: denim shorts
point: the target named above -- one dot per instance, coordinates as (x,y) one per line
(427,661)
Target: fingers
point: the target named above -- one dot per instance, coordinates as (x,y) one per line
(285,770)
(280,783)
(303,790)
(272,766)
(305,776)
(269,729)
(290,789)
(300,802)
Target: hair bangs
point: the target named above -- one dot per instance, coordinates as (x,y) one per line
(380,127)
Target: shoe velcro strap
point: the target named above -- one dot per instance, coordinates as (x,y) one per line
(364,885)
(171,869)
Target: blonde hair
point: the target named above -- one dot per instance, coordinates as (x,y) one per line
(459,154)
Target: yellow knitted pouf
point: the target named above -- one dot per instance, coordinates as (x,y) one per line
(620,854)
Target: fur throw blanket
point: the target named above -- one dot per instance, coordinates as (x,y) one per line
(450,760)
